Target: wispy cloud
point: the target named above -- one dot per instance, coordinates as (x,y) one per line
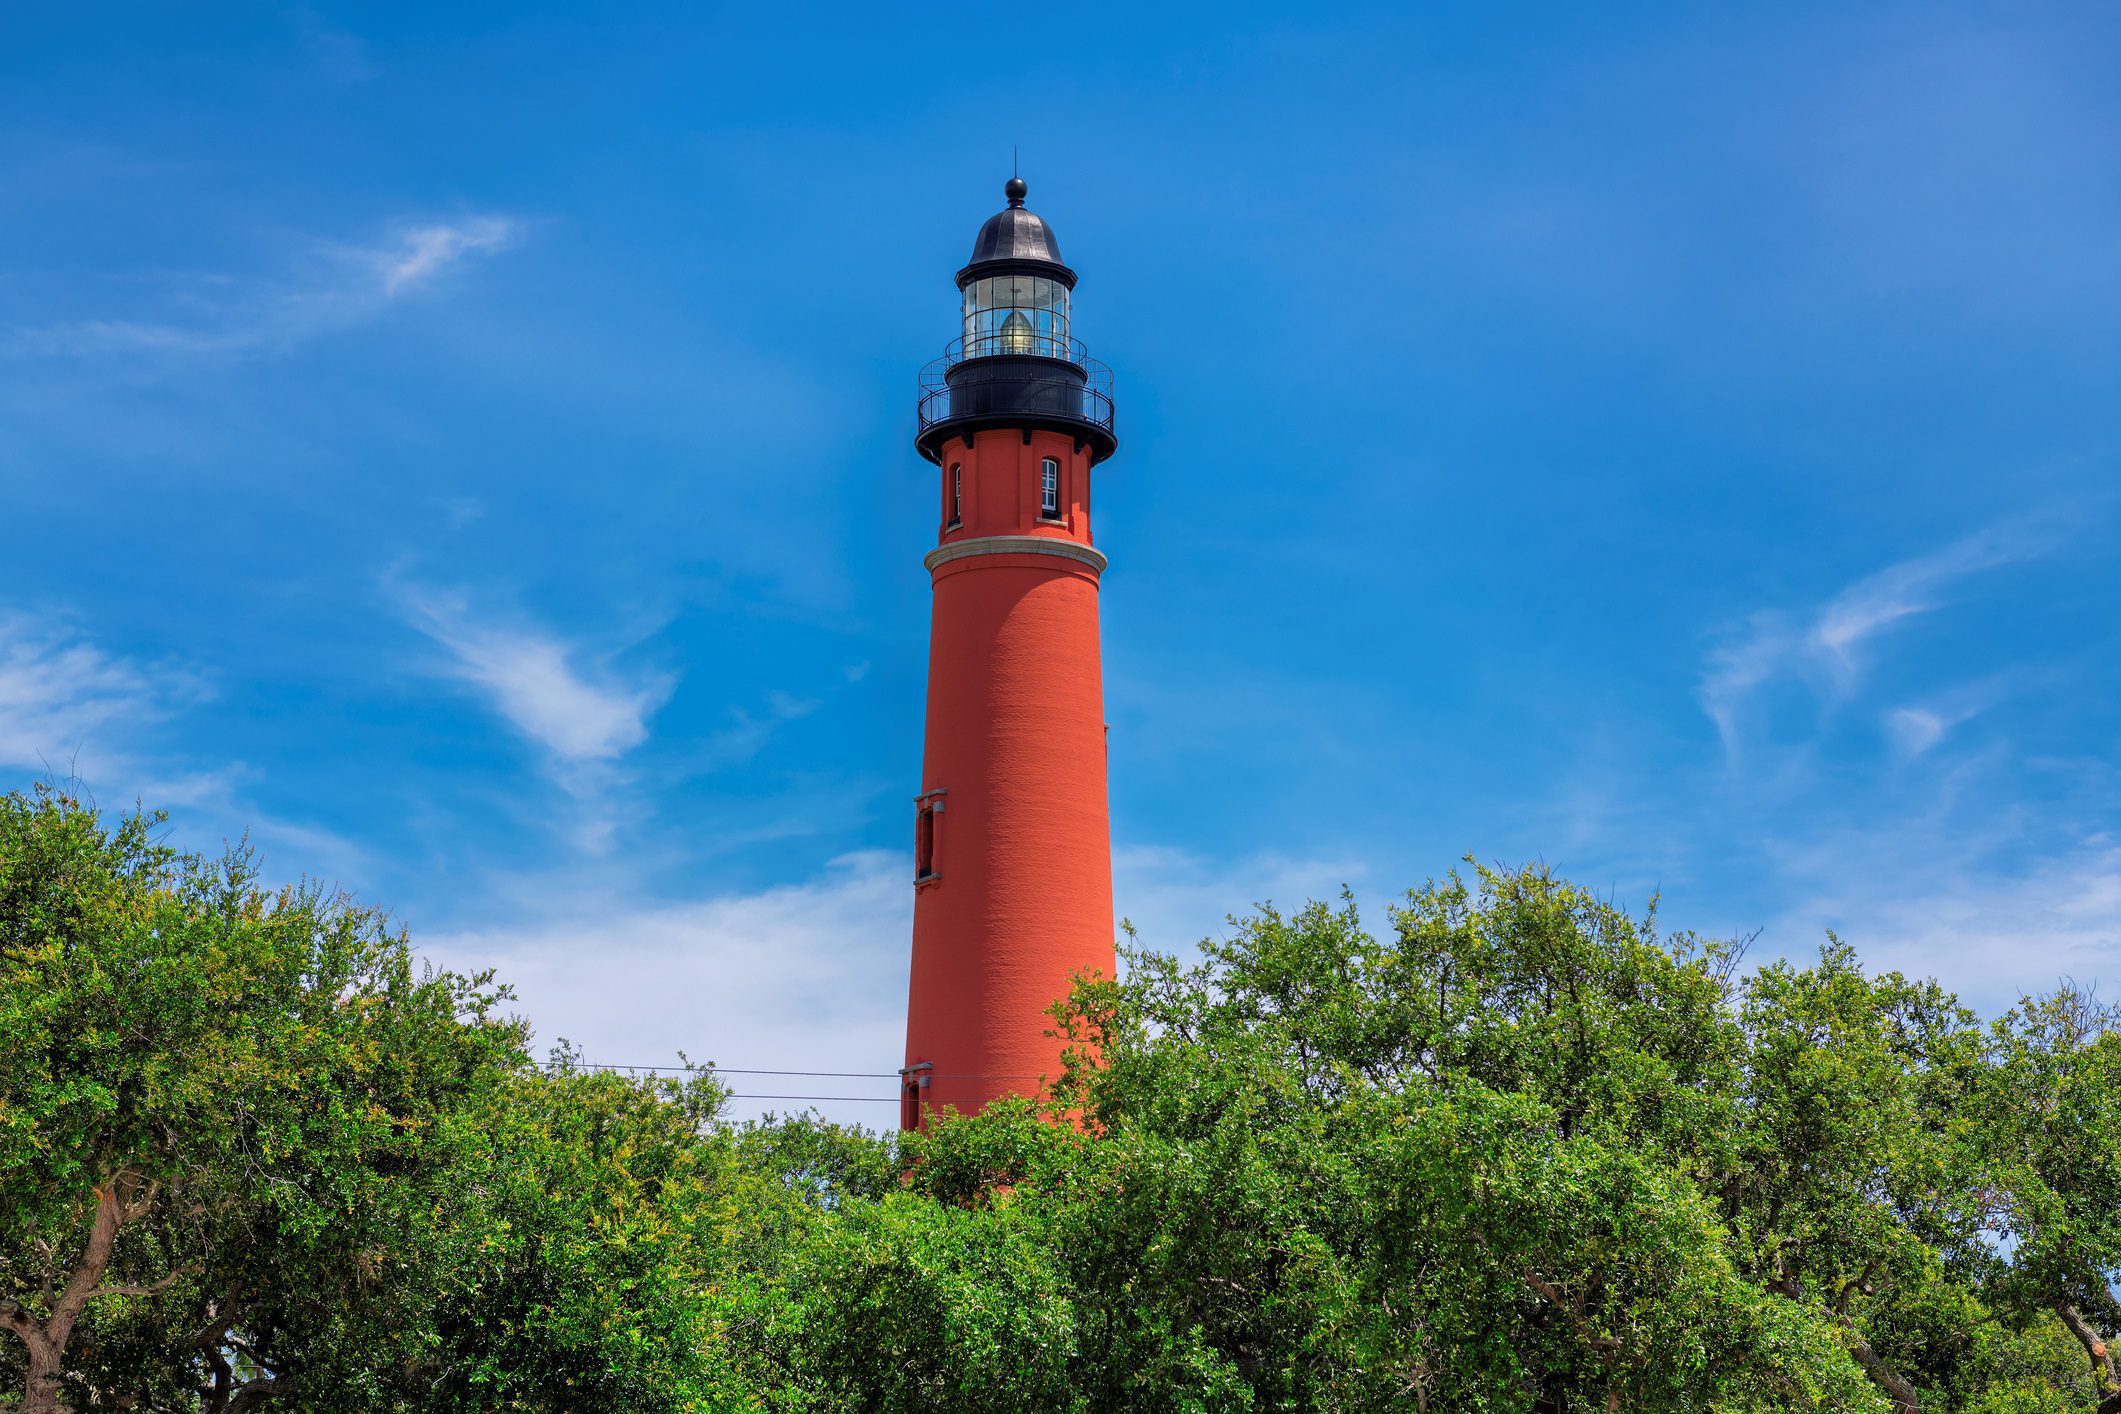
(1917,727)
(334,286)
(1929,900)
(58,694)
(69,707)
(339,53)
(571,703)
(1762,650)
(807,976)
(1965,856)
(1176,897)
(426,251)
(72,710)
(746,734)
(1874,604)
(1827,645)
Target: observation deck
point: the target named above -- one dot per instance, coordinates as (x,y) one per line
(1016,378)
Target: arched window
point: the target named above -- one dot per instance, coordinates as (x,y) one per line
(957,493)
(1049,489)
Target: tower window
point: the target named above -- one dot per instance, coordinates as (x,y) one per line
(912,1080)
(1049,489)
(957,493)
(928,807)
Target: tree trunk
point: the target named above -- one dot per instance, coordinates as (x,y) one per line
(40,1389)
(1903,1395)
(45,1341)
(256,1393)
(2095,1350)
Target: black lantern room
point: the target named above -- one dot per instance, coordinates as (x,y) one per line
(1016,364)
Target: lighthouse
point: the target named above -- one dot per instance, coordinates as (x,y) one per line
(1012,871)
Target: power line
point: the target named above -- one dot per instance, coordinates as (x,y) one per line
(713,1070)
(733,1070)
(806,1074)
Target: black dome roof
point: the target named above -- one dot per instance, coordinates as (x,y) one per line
(1014,236)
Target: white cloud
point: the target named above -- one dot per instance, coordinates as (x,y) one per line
(1927,902)
(61,696)
(460,511)
(71,710)
(1761,652)
(1875,603)
(808,976)
(340,54)
(746,734)
(1175,897)
(582,712)
(90,337)
(336,286)
(1826,646)
(812,976)
(531,678)
(1916,729)
(1934,856)
(426,251)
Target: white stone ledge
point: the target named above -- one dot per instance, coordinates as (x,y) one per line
(1015,545)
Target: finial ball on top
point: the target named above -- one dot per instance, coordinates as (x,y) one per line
(1016,190)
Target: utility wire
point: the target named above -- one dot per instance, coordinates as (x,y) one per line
(733,1070)
(808,1074)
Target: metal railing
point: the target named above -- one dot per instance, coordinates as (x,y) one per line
(1017,344)
(1024,379)
(1022,341)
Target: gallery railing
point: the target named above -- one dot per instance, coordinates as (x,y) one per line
(998,376)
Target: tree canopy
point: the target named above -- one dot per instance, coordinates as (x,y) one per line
(1516,1150)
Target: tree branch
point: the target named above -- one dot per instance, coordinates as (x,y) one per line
(1607,1347)
(2095,1350)
(256,1392)
(220,1315)
(16,1319)
(1905,1398)
(150,1288)
(95,1258)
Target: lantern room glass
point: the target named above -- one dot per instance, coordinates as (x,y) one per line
(1016,314)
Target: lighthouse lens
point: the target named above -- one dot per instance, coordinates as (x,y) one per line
(1016,314)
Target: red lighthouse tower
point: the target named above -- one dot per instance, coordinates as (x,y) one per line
(1013,867)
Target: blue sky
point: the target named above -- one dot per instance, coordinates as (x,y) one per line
(469,447)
